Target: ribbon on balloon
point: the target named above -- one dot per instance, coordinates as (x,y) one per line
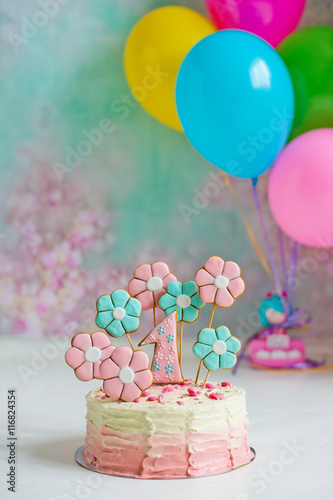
(247,225)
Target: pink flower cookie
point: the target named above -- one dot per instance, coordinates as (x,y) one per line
(87,353)
(126,374)
(219,282)
(150,283)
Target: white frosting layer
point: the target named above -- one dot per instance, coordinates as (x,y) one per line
(197,413)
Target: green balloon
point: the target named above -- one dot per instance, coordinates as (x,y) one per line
(308,55)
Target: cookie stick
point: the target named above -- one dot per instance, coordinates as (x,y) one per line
(181,341)
(210,324)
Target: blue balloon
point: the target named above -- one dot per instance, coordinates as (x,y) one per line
(235,101)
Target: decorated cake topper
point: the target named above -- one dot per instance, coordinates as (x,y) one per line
(150,283)
(216,348)
(274,310)
(219,284)
(271,346)
(183,298)
(165,365)
(118,313)
(126,371)
(87,353)
(126,374)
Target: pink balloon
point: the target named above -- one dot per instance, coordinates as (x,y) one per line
(272,20)
(300,189)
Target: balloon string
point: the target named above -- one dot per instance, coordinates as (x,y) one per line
(292,270)
(247,226)
(268,245)
(283,260)
(286,302)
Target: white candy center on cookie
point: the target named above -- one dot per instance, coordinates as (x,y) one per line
(221,282)
(119,313)
(126,375)
(183,301)
(154,283)
(92,354)
(219,347)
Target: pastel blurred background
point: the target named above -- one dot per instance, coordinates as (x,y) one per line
(69,234)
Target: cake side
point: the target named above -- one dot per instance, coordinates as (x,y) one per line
(176,431)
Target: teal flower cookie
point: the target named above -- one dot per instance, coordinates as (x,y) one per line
(217,348)
(183,298)
(118,313)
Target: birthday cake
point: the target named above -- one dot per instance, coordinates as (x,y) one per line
(147,421)
(173,431)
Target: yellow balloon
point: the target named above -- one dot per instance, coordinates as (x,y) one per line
(154,52)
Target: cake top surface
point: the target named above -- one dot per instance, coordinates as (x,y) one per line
(186,394)
(170,409)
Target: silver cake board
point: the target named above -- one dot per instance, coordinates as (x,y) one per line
(81,461)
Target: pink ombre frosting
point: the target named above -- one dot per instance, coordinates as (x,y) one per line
(179,433)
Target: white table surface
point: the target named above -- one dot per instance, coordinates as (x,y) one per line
(290,428)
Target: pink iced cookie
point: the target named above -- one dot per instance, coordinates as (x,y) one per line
(150,283)
(126,374)
(87,353)
(219,282)
(165,365)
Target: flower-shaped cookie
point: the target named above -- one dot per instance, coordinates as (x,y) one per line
(150,283)
(217,348)
(183,298)
(126,374)
(87,353)
(219,282)
(118,313)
